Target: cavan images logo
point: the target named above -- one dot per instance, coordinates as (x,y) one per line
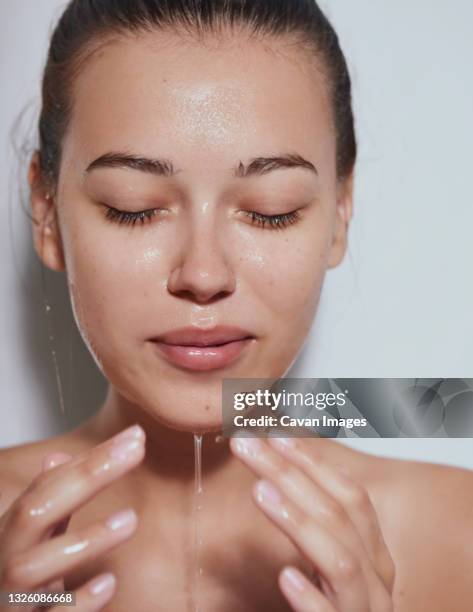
(349,407)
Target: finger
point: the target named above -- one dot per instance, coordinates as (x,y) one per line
(341,569)
(350,494)
(304,491)
(50,461)
(54,558)
(53,459)
(301,593)
(57,493)
(93,595)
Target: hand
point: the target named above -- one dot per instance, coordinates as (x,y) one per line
(35,551)
(330,519)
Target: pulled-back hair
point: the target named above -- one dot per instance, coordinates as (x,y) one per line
(85,24)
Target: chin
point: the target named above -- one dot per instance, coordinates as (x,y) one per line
(198,428)
(191,424)
(186,410)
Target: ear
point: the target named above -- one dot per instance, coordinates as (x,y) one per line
(46,235)
(343,215)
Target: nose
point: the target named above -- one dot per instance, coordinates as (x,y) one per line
(203,273)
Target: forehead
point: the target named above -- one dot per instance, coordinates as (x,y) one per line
(160,93)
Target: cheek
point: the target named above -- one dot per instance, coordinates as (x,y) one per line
(111,276)
(287,271)
(284,276)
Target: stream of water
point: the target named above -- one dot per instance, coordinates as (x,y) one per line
(48,311)
(196,519)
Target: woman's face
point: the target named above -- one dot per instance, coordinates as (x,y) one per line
(200,260)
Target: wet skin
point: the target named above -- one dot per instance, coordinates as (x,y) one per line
(200,260)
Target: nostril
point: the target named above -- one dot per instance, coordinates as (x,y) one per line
(200,297)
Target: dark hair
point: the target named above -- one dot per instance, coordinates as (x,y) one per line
(86,23)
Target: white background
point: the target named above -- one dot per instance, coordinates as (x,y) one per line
(401,305)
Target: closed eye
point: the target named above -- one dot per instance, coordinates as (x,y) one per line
(130,218)
(273,221)
(144,216)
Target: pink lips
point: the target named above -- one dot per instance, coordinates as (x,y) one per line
(203,349)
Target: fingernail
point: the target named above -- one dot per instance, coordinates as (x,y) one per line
(284,444)
(249,447)
(125,448)
(135,431)
(294,579)
(55,459)
(101,584)
(121,520)
(267,494)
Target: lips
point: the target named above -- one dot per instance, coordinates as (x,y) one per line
(203,349)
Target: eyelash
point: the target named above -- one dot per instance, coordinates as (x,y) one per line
(130,218)
(274,221)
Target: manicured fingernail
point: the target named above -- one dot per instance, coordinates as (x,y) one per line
(135,431)
(122,520)
(267,494)
(294,579)
(125,448)
(102,584)
(55,459)
(284,444)
(249,447)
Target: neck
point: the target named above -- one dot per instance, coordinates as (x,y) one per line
(169,462)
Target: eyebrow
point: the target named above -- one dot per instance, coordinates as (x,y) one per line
(163,167)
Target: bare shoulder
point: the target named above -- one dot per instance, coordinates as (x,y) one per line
(403,487)
(433,492)
(426,515)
